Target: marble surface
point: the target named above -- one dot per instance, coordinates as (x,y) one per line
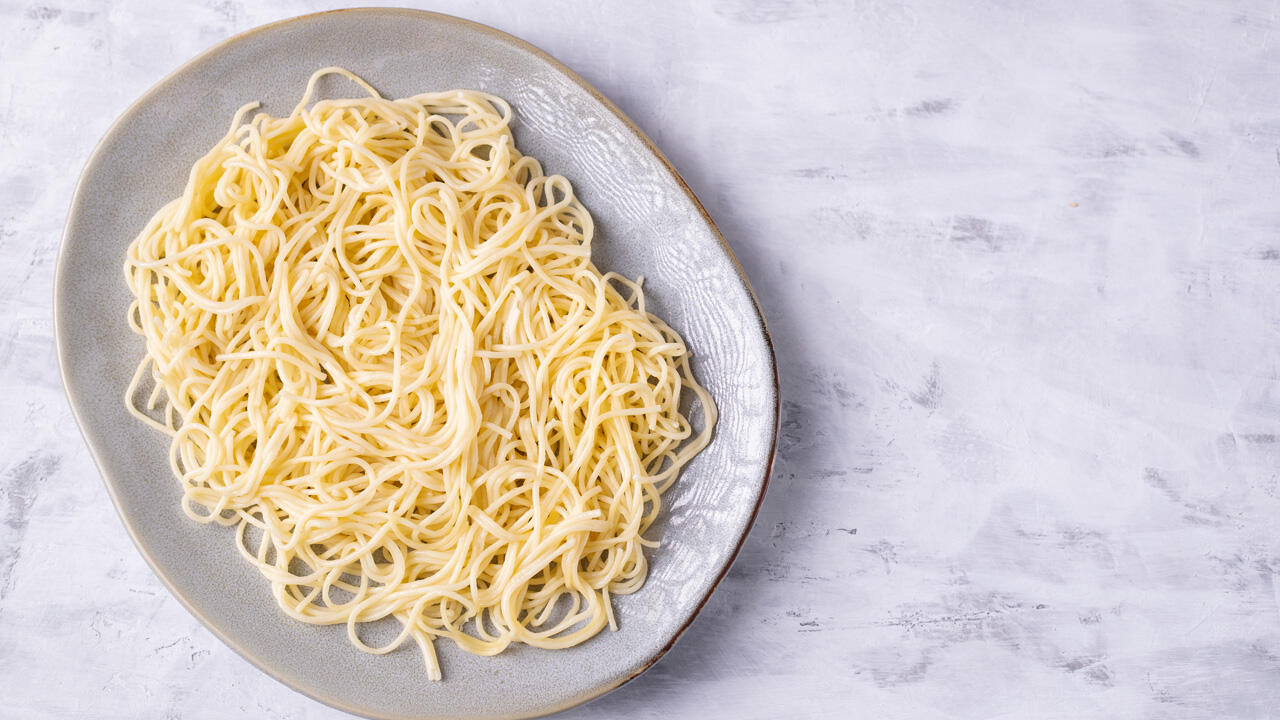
(1022,264)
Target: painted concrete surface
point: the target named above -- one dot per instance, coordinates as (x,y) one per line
(1022,265)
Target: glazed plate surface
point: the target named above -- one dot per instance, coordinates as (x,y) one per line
(648,223)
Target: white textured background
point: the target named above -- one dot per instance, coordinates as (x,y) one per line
(1022,265)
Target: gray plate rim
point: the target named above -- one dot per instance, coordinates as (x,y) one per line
(60,290)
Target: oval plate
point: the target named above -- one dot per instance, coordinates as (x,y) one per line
(648,223)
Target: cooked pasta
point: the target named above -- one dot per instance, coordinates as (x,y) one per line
(382,353)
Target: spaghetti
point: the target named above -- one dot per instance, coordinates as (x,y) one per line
(383,354)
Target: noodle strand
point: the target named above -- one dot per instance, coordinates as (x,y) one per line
(382,352)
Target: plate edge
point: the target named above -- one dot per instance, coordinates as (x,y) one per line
(61,349)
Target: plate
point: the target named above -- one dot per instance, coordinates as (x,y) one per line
(648,223)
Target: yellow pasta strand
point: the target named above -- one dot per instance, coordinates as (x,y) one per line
(385,355)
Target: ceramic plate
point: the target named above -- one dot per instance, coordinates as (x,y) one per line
(648,224)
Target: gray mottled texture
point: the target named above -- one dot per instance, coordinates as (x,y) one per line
(1022,264)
